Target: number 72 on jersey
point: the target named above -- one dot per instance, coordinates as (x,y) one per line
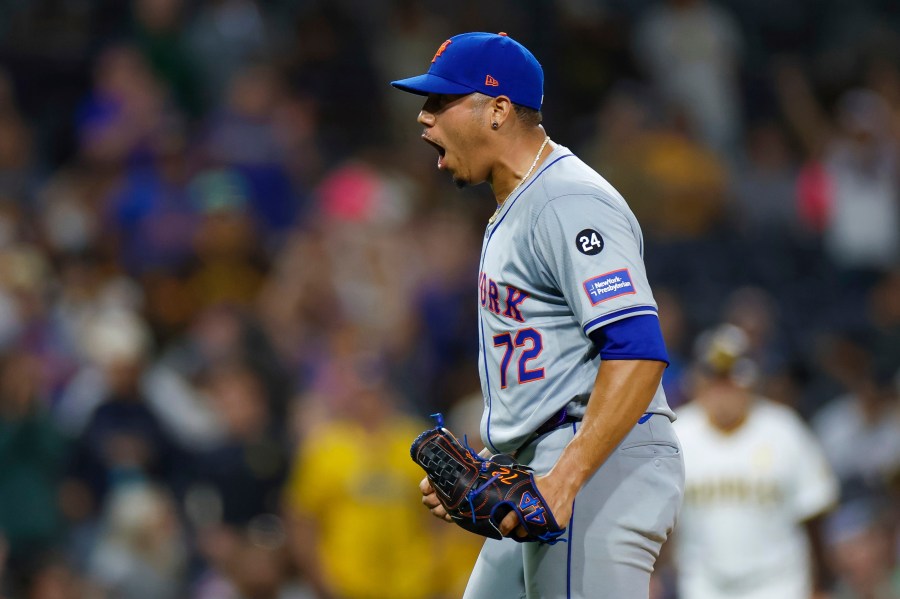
(531,344)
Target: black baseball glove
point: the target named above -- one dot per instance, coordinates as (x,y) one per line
(478,492)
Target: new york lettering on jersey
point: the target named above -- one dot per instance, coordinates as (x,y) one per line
(489,294)
(557,256)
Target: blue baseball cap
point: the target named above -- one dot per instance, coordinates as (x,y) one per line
(493,64)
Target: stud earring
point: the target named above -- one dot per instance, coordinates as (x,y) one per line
(495,125)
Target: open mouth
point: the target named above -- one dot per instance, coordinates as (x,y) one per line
(440,150)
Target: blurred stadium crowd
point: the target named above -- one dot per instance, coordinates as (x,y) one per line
(233,285)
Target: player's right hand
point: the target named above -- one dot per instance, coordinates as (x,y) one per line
(431,501)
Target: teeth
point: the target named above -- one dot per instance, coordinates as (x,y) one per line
(440,150)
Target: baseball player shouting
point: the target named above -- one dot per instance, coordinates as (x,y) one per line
(571,353)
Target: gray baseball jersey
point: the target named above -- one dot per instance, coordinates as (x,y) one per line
(563,257)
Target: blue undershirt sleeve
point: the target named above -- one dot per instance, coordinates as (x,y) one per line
(634,338)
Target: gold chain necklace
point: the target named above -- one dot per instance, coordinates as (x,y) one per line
(522,180)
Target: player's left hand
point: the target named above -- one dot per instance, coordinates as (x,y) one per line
(431,501)
(555,497)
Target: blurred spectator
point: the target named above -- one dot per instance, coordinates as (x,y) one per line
(756,485)
(675,186)
(765,186)
(249,564)
(149,210)
(365,236)
(357,193)
(850,192)
(296,122)
(113,345)
(405,45)
(863,553)
(689,184)
(247,468)
(218,335)
(141,552)
(121,439)
(230,264)
(28,317)
(691,51)
(863,230)
(298,302)
(860,429)
(442,353)
(223,37)
(183,408)
(23,279)
(32,454)
(350,474)
(120,120)
(159,31)
(329,59)
(591,53)
(243,136)
(16,147)
(69,218)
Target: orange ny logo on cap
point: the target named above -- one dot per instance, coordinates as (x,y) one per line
(491,81)
(441,50)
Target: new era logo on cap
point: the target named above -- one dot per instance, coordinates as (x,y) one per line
(490,63)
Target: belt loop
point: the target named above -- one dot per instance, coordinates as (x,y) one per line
(553,422)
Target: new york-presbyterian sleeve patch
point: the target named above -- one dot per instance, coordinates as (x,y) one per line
(607,286)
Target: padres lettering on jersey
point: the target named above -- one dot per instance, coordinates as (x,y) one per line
(735,491)
(565,249)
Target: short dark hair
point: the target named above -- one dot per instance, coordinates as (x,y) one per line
(529,116)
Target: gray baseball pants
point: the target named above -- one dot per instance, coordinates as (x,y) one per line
(621,518)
